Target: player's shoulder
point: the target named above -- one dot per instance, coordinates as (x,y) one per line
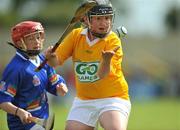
(113,35)
(77,31)
(14,66)
(18,62)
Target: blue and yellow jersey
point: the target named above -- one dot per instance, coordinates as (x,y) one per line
(86,57)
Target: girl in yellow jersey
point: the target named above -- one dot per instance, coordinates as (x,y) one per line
(102,91)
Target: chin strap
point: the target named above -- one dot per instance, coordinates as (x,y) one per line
(98,35)
(33,52)
(28,52)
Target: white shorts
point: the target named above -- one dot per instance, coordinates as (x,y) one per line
(88,111)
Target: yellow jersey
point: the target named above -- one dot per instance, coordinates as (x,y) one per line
(86,59)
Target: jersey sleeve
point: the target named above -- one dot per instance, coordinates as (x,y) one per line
(67,46)
(8,85)
(54,80)
(65,49)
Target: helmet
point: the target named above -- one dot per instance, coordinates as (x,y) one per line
(103,8)
(23,29)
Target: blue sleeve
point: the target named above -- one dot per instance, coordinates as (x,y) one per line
(54,80)
(53,77)
(8,84)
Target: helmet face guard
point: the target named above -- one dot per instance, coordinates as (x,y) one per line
(25,29)
(103,8)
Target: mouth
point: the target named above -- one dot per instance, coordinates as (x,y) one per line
(37,48)
(102,30)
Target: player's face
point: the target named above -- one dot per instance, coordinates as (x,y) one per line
(101,24)
(34,41)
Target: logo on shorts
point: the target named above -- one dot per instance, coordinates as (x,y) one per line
(86,71)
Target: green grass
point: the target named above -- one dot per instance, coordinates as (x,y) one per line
(161,114)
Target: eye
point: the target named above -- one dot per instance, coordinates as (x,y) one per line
(108,17)
(37,36)
(29,38)
(98,18)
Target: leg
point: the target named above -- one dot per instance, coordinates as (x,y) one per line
(75,125)
(82,116)
(113,120)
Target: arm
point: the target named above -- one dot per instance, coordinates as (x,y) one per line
(8,89)
(64,50)
(56,85)
(52,58)
(14,110)
(104,68)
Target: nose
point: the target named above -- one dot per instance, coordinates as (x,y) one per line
(104,21)
(36,42)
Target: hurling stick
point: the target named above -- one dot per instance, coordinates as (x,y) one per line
(48,123)
(79,14)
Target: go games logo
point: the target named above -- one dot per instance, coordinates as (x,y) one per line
(86,71)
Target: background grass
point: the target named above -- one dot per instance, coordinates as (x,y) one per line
(159,114)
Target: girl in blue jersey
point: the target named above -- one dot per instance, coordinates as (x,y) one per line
(23,92)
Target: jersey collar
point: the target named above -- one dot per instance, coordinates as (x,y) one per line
(22,55)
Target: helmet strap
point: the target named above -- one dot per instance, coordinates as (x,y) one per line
(98,35)
(33,52)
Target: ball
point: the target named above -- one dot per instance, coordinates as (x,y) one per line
(121,31)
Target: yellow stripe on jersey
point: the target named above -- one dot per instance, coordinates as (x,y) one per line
(86,61)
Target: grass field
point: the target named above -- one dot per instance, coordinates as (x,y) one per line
(161,114)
